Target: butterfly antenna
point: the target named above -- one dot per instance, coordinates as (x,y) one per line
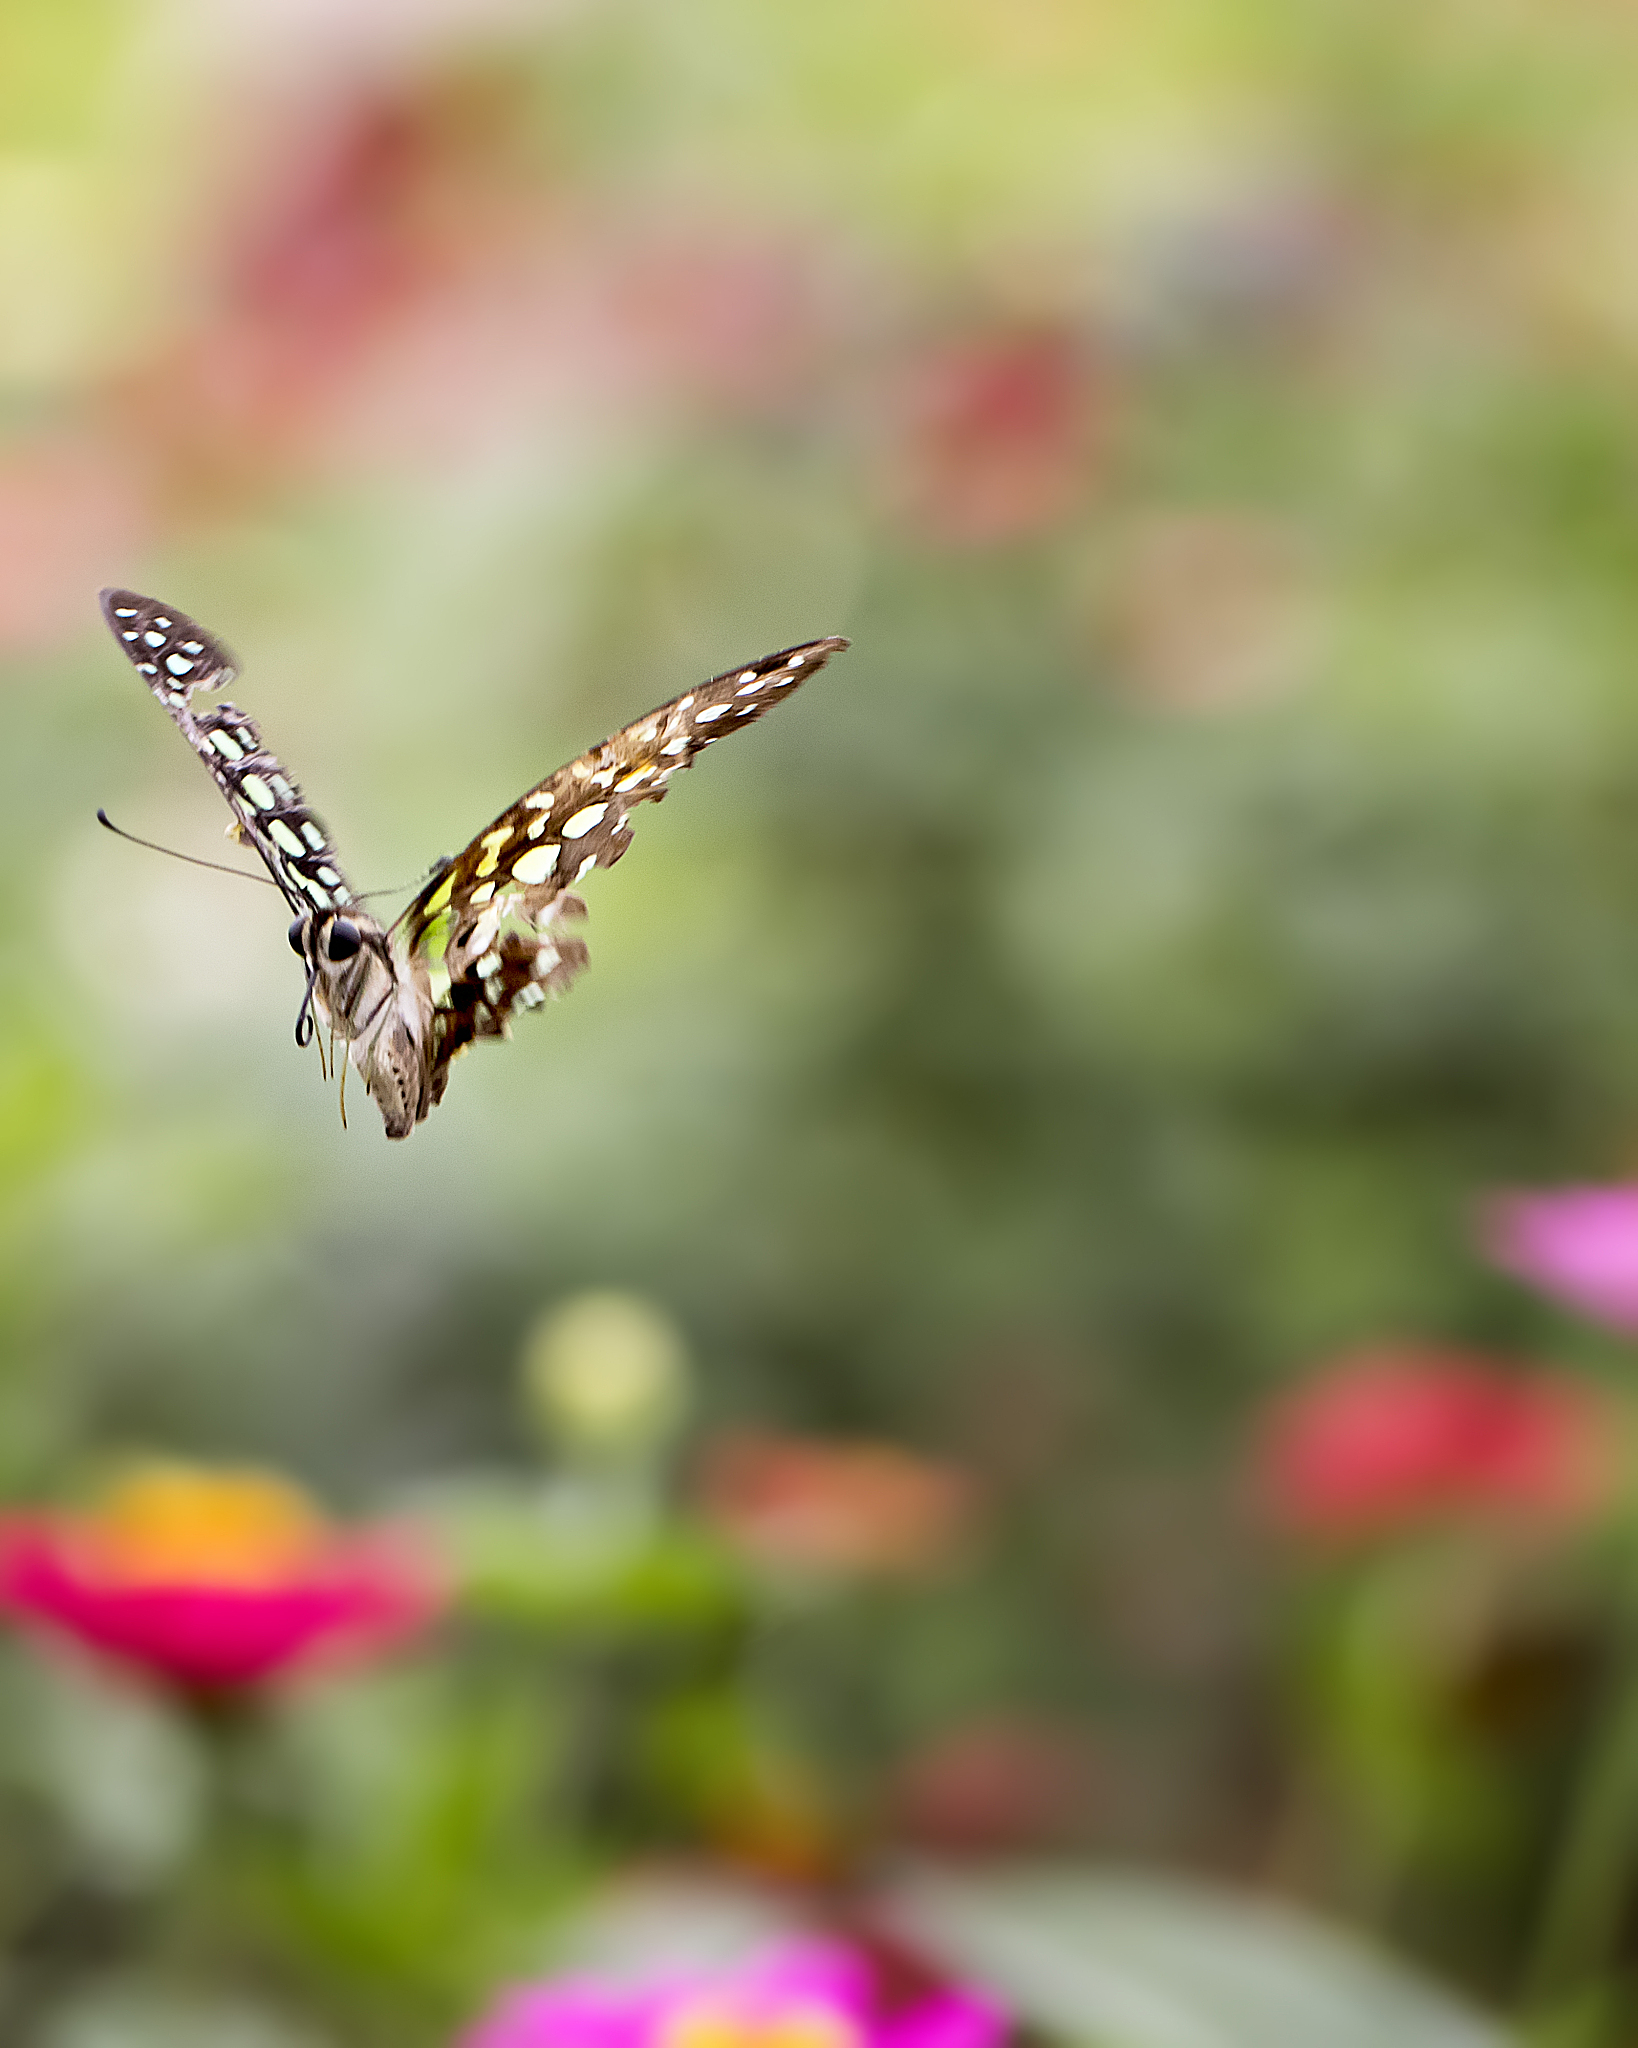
(441,866)
(344,1065)
(192,859)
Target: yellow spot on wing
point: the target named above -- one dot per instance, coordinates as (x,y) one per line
(492,844)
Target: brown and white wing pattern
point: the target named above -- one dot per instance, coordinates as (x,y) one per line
(176,657)
(484,936)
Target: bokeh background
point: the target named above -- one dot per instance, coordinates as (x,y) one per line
(1102,1002)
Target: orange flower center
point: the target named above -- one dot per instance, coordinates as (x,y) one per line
(709,2022)
(170,1525)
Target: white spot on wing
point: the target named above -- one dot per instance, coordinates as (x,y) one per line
(229,749)
(179,664)
(752,683)
(258,792)
(483,892)
(281,835)
(582,822)
(535,865)
(710,712)
(539,799)
(676,746)
(154,639)
(585,867)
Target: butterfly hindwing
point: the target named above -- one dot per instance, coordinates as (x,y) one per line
(176,657)
(486,930)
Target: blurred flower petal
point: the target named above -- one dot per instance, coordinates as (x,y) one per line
(813,1995)
(828,1507)
(993,1785)
(1579,1244)
(1003,437)
(1213,610)
(68,510)
(1387,1438)
(212,1580)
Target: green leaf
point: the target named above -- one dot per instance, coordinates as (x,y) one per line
(1148,1963)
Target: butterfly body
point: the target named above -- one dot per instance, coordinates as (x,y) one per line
(484,937)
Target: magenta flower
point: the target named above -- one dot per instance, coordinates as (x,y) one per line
(214,1580)
(1580,1244)
(812,1995)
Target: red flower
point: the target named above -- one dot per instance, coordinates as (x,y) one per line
(1005,432)
(212,1580)
(835,1507)
(1385,1438)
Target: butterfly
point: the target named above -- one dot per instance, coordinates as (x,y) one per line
(485,936)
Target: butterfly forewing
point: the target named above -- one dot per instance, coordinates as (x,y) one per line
(486,931)
(176,657)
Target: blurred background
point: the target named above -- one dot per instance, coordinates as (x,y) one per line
(972,1335)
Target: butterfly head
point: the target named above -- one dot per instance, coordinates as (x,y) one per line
(332,937)
(344,957)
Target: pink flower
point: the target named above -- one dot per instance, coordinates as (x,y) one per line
(215,1581)
(815,1995)
(69,505)
(1389,1437)
(1580,1244)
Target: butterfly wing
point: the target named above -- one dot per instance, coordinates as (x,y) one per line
(176,657)
(484,935)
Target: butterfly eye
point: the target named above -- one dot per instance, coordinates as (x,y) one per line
(297,935)
(342,941)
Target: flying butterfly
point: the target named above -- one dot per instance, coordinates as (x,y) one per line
(486,934)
